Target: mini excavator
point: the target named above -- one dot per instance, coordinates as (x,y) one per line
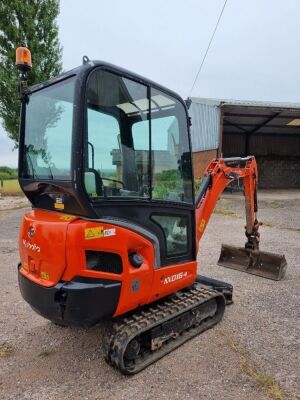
(105,160)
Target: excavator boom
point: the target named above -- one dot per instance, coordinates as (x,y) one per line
(218,175)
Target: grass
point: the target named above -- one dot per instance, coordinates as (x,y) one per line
(10,187)
(45,353)
(6,351)
(260,377)
(226,211)
(268,224)
(273,205)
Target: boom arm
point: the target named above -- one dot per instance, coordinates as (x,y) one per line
(218,175)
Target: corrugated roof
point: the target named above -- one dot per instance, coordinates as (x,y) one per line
(248,119)
(245,103)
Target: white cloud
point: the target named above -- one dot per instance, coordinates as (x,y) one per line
(7,156)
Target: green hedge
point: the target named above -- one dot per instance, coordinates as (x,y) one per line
(8,173)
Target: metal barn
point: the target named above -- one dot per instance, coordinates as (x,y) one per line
(270,131)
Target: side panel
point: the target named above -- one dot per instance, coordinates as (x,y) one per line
(112,241)
(170,279)
(42,242)
(139,286)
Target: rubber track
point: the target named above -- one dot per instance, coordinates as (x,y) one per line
(125,329)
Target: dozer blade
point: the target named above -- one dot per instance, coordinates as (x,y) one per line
(266,265)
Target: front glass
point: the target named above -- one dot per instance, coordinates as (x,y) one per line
(48,133)
(137,143)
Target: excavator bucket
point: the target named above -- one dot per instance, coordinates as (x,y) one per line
(267,265)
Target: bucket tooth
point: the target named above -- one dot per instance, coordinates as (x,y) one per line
(261,263)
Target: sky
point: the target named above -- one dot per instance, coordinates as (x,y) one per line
(254,54)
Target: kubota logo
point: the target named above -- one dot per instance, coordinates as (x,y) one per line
(31,246)
(31,232)
(173,278)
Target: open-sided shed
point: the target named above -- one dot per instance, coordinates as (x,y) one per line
(270,131)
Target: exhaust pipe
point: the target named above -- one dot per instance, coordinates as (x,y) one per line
(256,262)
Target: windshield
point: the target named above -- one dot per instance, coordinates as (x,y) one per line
(48,133)
(137,142)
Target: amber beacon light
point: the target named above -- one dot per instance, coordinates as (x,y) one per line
(23,59)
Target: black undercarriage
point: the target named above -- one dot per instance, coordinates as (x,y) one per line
(138,340)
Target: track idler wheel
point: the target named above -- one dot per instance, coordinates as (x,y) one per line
(133,349)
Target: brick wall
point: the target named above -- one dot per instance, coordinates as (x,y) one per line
(278,172)
(200,161)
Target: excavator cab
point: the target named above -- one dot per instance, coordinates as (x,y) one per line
(102,142)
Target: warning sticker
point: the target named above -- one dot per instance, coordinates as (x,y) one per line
(98,232)
(59,203)
(67,217)
(202,225)
(94,233)
(44,275)
(109,232)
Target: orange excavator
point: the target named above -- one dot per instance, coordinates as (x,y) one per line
(105,160)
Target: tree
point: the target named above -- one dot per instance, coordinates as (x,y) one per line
(32,24)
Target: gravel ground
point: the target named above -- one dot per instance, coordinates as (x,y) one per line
(12,202)
(256,344)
